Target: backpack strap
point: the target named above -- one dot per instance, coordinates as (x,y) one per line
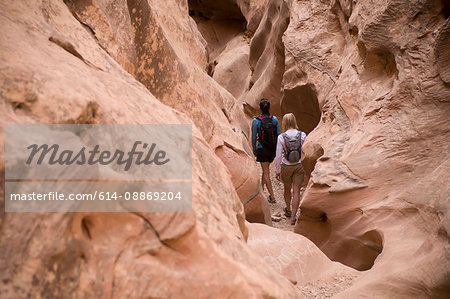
(258,130)
(301,141)
(286,141)
(299,137)
(261,116)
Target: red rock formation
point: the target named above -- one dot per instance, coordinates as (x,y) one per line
(168,55)
(379,156)
(55,71)
(368,80)
(294,256)
(267,57)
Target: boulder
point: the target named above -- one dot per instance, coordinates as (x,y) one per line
(294,256)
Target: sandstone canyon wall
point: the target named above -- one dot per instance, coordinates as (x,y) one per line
(57,66)
(367,80)
(379,157)
(168,55)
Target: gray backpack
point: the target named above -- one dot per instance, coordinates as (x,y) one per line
(292,147)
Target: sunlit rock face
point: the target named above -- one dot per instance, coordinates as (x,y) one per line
(175,57)
(378,158)
(367,80)
(91,62)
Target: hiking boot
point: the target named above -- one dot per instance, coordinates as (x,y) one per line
(272,199)
(287,213)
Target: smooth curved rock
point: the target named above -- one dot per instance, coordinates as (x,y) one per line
(267,58)
(372,76)
(379,151)
(170,59)
(55,71)
(442,52)
(293,255)
(232,70)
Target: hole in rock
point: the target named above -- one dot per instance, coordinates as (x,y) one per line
(361,251)
(18,105)
(85,224)
(353,30)
(446,8)
(302,101)
(211,9)
(380,63)
(218,22)
(358,251)
(323,217)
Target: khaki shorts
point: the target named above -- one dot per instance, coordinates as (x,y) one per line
(292,173)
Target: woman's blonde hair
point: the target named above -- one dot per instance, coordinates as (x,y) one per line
(289,122)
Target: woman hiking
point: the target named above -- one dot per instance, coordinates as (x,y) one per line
(265,131)
(288,155)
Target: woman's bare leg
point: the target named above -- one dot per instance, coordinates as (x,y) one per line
(295,200)
(266,177)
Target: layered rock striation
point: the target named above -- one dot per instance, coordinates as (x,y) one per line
(378,158)
(367,80)
(73,62)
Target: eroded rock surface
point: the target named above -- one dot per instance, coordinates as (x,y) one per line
(367,80)
(267,58)
(53,70)
(170,56)
(294,256)
(378,71)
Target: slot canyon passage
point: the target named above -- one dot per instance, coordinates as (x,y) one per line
(368,81)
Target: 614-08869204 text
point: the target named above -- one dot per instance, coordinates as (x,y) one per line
(54,195)
(147,195)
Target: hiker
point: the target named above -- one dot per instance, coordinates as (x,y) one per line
(291,172)
(265,131)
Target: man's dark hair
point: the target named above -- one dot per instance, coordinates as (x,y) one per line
(264,105)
